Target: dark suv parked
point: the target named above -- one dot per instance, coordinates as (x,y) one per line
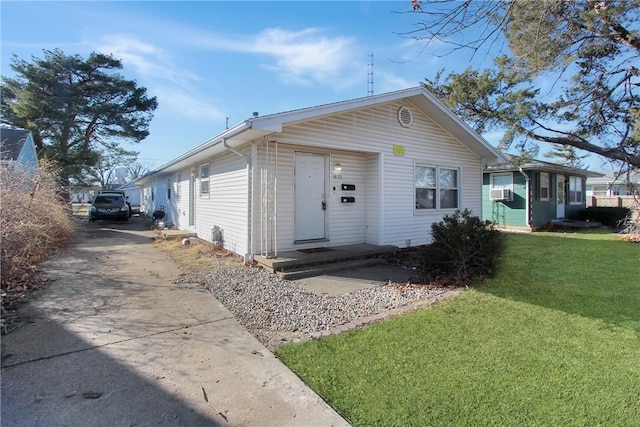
(109,206)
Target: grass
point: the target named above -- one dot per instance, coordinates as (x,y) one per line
(552,339)
(199,255)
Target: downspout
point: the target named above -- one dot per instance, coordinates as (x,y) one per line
(527,180)
(248,256)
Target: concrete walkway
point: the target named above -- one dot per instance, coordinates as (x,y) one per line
(112,341)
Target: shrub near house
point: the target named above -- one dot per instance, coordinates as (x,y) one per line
(609,216)
(34,222)
(464,248)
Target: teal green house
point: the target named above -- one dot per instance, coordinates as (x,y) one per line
(529,196)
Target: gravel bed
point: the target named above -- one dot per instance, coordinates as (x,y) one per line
(279,310)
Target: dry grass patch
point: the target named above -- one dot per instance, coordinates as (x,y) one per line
(199,255)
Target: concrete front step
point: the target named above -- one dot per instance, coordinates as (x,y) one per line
(290,260)
(318,270)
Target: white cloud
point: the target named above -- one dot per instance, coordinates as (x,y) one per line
(149,61)
(172,84)
(182,103)
(299,57)
(389,82)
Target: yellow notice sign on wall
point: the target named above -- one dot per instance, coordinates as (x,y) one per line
(398,150)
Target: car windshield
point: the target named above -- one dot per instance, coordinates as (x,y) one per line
(111,198)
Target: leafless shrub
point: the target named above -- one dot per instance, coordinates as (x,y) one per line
(631,223)
(34,222)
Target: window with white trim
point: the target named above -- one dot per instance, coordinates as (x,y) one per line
(436,187)
(169,188)
(543,189)
(178,185)
(448,188)
(204,179)
(502,180)
(575,190)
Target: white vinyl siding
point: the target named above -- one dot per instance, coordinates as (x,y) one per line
(362,141)
(226,206)
(374,131)
(346,221)
(372,196)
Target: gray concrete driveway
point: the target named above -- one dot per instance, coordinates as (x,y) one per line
(112,341)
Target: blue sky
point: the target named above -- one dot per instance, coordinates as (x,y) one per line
(207,61)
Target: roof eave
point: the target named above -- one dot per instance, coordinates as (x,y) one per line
(543,168)
(234,136)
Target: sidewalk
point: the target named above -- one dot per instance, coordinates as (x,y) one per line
(113,342)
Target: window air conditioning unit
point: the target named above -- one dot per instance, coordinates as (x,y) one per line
(497,194)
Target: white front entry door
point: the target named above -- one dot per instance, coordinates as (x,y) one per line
(310,203)
(560,197)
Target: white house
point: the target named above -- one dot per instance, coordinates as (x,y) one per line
(132,191)
(377,170)
(609,185)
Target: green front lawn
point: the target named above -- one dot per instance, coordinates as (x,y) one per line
(552,339)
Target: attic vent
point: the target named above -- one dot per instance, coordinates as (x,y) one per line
(405,117)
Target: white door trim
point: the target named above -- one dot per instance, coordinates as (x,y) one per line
(310,201)
(560,196)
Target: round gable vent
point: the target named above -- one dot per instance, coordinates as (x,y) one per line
(405,117)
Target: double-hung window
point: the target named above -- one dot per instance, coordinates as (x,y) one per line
(543,190)
(204,180)
(425,183)
(448,188)
(436,187)
(575,190)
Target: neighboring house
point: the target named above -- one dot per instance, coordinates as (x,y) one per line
(132,191)
(16,145)
(84,194)
(377,170)
(529,196)
(609,185)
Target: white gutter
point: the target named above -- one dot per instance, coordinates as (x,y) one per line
(248,256)
(528,198)
(229,133)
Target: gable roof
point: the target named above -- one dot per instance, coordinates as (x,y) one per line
(611,178)
(257,127)
(128,186)
(11,143)
(541,166)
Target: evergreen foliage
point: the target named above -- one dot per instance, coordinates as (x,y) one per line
(79,110)
(463,249)
(569,75)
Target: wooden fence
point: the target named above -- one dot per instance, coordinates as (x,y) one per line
(614,201)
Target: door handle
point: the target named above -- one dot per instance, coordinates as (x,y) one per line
(324,205)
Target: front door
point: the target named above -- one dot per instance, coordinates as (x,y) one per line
(560,197)
(309,201)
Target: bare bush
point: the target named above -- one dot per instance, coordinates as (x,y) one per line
(631,223)
(34,222)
